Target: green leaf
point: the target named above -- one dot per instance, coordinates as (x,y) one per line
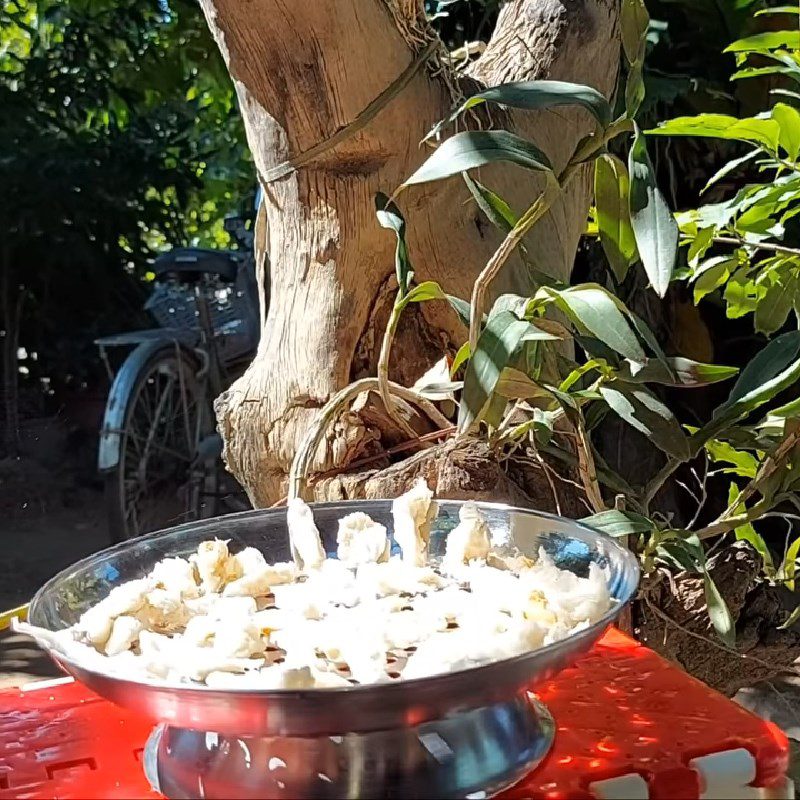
(720,126)
(789,120)
(389,216)
(439,391)
(516,385)
(515,303)
(793,10)
(471,149)
(648,337)
(760,72)
(653,224)
(498,343)
(595,309)
(611,186)
(634,89)
(699,245)
(741,294)
(580,371)
(747,533)
(767,373)
(683,549)
(773,309)
(429,290)
(768,40)
(634,22)
(461,307)
(789,566)
(494,410)
(618,523)
(460,357)
(718,612)
(647,414)
(497,211)
(744,464)
(774,369)
(730,167)
(531,95)
(677,371)
(712,275)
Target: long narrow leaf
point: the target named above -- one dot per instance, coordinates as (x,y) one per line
(389,216)
(496,347)
(532,95)
(763,131)
(597,311)
(618,523)
(647,414)
(471,149)
(789,566)
(768,40)
(653,224)
(718,612)
(612,188)
(678,372)
(497,211)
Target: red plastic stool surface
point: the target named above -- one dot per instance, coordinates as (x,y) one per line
(621,709)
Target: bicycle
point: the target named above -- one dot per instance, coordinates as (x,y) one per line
(159,449)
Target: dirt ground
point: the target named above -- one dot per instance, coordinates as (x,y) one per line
(51,514)
(37,546)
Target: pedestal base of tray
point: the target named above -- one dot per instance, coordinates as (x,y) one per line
(476,753)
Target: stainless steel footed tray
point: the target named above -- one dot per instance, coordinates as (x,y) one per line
(464,734)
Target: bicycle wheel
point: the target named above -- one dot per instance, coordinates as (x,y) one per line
(157,483)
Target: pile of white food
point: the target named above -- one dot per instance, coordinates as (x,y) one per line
(235,621)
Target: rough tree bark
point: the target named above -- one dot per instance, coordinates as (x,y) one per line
(302,70)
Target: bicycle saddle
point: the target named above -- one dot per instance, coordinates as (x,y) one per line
(192,262)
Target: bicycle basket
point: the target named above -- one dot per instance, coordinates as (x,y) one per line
(234,317)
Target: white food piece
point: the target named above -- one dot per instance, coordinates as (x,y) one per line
(409,628)
(324,679)
(184,660)
(469,540)
(231,608)
(450,604)
(211,561)
(413,513)
(304,534)
(361,540)
(95,625)
(176,575)
(302,599)
(282,572)
(164,610)
(249,561)
(252,679)
(395,576)
(332,583)
(253,585)
(200,631)
(282,677)
(241,641)
(124,634)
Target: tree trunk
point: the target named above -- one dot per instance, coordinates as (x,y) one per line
(304,70)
